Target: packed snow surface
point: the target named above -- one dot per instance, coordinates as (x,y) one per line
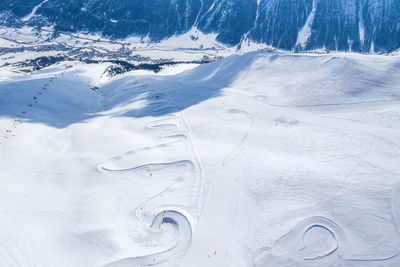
(264,159)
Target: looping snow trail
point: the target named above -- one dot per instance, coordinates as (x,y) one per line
(181,224)
(294,242)
(268,159)
(292,247)
(173,155)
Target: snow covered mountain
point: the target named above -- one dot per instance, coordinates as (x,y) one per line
(142,133)
(346,25)
(264,159)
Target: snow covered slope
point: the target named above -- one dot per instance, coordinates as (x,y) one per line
(264,159)
(344,25)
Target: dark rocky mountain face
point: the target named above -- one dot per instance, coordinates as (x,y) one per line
(357,25)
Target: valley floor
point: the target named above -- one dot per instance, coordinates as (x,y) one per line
(263,159)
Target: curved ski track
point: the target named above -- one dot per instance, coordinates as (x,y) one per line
(296,239)
(157,208)
(181,224)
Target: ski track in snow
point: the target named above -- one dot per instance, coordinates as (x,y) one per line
(201,232)
(180,223)
(219,211)
(158,207)
(294,243)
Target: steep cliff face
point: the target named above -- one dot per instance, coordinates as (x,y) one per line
(356,25)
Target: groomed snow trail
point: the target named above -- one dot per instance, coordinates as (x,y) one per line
(169,154)
(295,242)
(213,239)
(263,159)
(182,226)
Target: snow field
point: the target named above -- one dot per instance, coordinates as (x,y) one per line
(263,159)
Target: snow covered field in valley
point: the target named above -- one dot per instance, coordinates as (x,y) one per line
(262,159)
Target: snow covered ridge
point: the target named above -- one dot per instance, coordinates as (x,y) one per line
(263,159)
(343,25)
